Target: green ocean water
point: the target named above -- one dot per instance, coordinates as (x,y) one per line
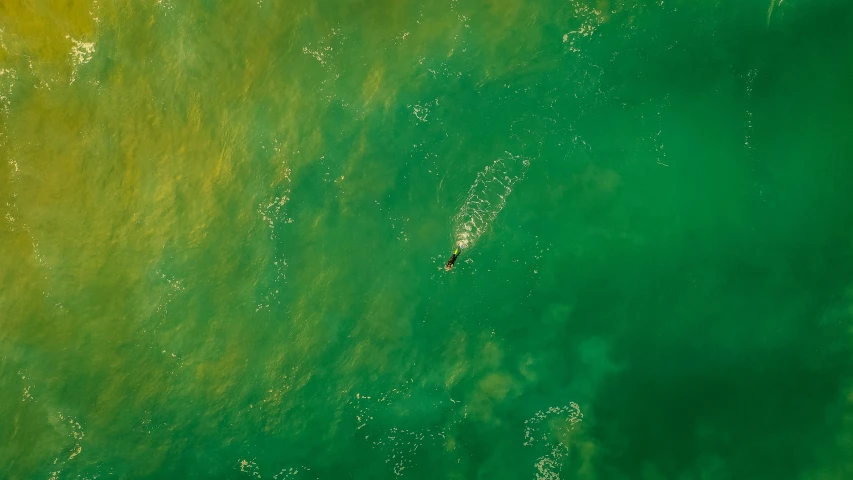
(225,224)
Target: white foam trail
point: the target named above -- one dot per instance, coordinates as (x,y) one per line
(81,53)
(487,197)
(540,432)
(400,444)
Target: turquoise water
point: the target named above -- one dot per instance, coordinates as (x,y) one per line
(225,225)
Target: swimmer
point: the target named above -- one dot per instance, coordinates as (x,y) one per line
(449,264)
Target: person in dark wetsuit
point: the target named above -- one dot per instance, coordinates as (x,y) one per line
(449,264)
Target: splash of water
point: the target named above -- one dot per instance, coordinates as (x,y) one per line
(487,197)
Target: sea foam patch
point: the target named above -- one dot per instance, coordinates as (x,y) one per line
(81,54)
